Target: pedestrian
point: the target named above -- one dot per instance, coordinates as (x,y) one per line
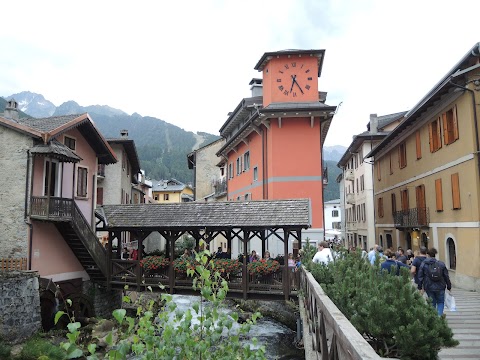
(324,254)
(372,254)
(253,256)
(417,261)
(433,278)
(401,256)
(390,263)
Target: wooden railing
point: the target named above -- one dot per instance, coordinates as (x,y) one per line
(129,272)
(11,264)
(327,333)
(55,208)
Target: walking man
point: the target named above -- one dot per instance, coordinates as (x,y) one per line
(433,278)
(324,254)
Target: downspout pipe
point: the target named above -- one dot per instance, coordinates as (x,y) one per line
(475,118)
(25,214)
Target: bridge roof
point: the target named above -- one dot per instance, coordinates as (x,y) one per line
(292,213)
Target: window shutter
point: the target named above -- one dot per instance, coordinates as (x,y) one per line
(99,196)
(439,134)
(438,194)
(455,123)
(419,145)
(455,191)
(445,129)
(430,136)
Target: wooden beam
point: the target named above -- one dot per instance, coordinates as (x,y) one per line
(286,273)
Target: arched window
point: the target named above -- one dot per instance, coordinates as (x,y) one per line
(452,254)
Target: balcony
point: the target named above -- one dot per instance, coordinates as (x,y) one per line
(220,186)
(411,218)
(350,199)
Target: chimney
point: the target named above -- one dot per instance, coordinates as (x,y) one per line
(11,110)
(256,87)
(373,123)
(124,133)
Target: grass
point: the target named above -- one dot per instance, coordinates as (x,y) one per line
(36,347)
(5,350)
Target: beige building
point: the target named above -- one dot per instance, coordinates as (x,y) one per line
(426,175)
(210,183)
(357,181)
(171,191)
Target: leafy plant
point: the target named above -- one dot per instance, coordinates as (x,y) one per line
(154,262)
(174,334)
(227,266)
(5,350)
(182,264)
(263,267)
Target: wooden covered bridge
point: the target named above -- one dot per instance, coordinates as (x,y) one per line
(282,220)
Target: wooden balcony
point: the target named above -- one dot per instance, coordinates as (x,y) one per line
(412,218)
(53,208)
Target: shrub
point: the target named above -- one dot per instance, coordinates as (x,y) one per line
(386,309)
(227,266)
(154,262)
(5,350)
(263,267)
(37,348)
(182,264)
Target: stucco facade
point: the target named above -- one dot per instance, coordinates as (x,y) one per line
(427,188)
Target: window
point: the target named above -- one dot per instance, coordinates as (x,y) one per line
(380,207)
(334,213)
(394,204)
(69,142)
(357,186)
(230,171)
(222,171)
(248,196)
(402,155)
(55,179)
(361,156)
(255,173)
(452,254)
(156,197)
(82,181)
(246,161)
(391,164)
(404,199)
(418,144)
(364,213)
(438,194)
(455,191)
(124,160)
(379,171)
(166,197)
(99,196)
(434,135)
(362,182)
(450,126)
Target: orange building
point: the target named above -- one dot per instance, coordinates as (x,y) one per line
(274,139)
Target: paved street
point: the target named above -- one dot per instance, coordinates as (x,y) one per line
(465,323)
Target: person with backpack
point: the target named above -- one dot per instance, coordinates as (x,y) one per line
(390,263)
(433,278)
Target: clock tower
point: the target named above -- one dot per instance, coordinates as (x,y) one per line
(290,75)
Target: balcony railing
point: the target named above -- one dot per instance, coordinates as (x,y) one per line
(57,208)
(416,217)
(220,186)
(101,170)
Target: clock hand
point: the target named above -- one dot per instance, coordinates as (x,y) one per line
(295,81)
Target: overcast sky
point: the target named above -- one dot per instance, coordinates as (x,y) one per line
(189,62)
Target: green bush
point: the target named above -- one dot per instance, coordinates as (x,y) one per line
(5,350)
(386,309)
(36,348)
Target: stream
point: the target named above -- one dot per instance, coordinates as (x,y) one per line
(276,337)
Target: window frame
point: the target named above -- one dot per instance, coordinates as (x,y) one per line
(380,207)
(67,139)
(246,161)
(81,188)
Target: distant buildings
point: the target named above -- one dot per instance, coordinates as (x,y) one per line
(171,191)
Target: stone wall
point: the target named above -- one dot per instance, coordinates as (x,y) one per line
(103,301)
(19,305)
(13,163)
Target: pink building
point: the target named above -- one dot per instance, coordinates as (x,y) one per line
(48,194)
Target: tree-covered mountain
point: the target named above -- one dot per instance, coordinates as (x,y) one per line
(162,147)
(332,190)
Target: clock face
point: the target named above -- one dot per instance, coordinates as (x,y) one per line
(294,79)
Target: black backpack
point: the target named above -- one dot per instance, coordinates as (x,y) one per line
(435,271)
